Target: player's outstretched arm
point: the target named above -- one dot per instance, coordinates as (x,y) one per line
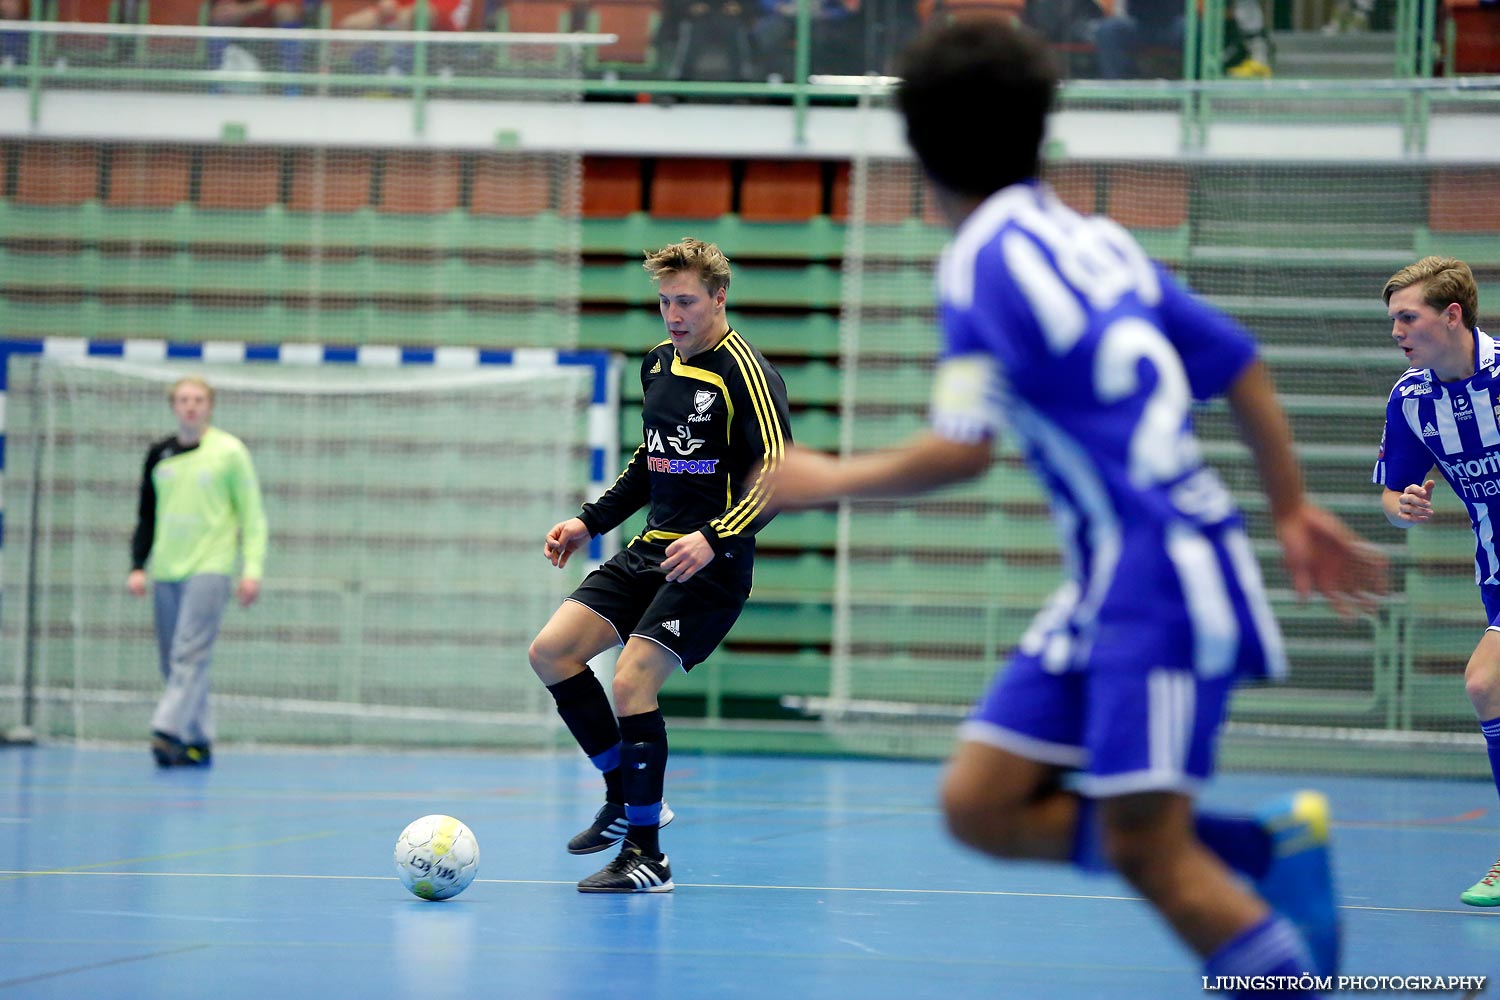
(1410,507)
(807,478)
(565,538)
(1320,552)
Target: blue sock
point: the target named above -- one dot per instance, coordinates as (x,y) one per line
(1270,948)
(1239,841)
(1491,730)
(216,47)
(643,768)
(586,711)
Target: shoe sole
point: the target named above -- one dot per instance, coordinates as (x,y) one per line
(1479,900)
(607,844)
(664,887)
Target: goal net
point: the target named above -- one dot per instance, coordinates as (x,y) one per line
(1240,194)
(404,579)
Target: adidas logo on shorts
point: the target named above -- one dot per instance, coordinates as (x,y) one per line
(674,626)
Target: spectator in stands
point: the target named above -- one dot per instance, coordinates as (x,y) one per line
(1069,25)
(14,45)
(1138,24)
(707,39)
(401,15)
(837,36)
(1441,414)
(199,513)
(1350,16)
(258,14)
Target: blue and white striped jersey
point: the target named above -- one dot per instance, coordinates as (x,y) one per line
(1455,426)
(1060,328)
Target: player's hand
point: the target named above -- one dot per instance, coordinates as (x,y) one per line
(136,583)
(249,591)
(565,538)
(686,556)
(1415,502)
(1323,555)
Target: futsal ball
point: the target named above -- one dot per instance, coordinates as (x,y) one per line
(437,857)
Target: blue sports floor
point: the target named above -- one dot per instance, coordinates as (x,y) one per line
(270,876)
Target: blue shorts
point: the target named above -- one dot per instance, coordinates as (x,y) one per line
(1123,730)
(1490,595)
(1133,716)
(1131,695)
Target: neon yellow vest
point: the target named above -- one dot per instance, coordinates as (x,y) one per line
(208,507)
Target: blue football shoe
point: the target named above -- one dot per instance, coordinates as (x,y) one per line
(1299,883)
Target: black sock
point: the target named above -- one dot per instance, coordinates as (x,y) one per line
(585,710)
(643,760)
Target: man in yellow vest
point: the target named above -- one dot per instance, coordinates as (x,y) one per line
(200,513)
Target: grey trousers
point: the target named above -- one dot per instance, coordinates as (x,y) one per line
(188,613)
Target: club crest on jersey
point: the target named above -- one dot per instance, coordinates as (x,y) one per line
(702,400)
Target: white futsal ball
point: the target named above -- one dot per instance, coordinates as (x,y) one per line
(437,857)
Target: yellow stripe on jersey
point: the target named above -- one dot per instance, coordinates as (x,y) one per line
(712,378)
(755,499)
(661,536)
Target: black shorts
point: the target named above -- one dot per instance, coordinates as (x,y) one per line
(689,618)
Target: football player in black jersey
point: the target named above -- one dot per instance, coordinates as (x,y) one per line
(714,428)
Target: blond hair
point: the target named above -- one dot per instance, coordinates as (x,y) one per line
(690,256)
(197,380)
(1444,280)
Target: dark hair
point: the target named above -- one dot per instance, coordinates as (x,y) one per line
(975,96)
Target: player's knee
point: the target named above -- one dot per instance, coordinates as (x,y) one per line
(976,819)
(1139,833)
(1132,856)
(633,694)
(544,656)
(1482,685)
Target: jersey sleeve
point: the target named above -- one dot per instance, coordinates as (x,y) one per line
(1214,349)
(630,491)
(968,384)
(145,515)
(1403,459)
(762,432)
(245,494)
